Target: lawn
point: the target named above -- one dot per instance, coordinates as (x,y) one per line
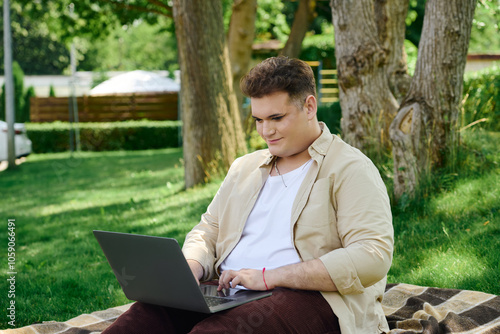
(450,238)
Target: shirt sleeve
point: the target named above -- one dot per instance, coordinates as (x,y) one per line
(364,224)
(200,243)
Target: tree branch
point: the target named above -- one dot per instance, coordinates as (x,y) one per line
(160,4)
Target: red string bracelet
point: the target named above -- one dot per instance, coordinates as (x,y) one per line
(264,278)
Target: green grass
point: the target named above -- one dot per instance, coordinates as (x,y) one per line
(57,201)
(450,238)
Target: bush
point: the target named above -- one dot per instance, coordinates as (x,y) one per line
(482,92)
(18,77)
(52,91)
(30,92)
(331,115)
(128,135)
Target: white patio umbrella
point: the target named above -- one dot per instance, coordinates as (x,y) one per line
(135,82)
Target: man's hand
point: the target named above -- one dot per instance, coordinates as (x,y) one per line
(309,275)
(197,269)
(249,278)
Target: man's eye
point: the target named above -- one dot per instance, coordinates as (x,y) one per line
(277,118)
(258,120)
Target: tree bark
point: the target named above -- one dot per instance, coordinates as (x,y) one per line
(390,16)
(212,132)
(367,103)
(302,19)
(424,133)
(240,39)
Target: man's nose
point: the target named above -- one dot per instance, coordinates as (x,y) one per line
(268,129)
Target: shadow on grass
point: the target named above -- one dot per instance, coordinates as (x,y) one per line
(62,271)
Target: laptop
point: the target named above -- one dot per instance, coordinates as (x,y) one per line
(153,270)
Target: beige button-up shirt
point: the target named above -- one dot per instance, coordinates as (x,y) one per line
(341,215)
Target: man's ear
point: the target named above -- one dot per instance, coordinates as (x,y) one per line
(312,106)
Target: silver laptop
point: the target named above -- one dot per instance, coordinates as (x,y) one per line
(153,270)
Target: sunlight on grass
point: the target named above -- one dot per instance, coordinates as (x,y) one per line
(57,201)
(452,237)
(470,196)
(447,269)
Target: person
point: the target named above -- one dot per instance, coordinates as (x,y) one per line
(308,217)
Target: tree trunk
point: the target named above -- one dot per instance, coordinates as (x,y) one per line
(424,132)
(390,16)
(367,103)
(301,22)
(212,132)
(240,39)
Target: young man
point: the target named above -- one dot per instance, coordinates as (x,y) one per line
(309,217)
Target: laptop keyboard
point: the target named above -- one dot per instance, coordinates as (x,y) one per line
(215,301)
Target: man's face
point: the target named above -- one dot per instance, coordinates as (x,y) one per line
(287,129)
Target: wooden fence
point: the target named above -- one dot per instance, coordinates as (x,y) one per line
(327,83)
(108,108)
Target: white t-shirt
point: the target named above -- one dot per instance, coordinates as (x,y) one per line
(266,240)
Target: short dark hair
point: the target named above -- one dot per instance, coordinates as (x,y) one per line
(280,74)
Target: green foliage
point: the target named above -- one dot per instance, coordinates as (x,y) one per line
(66,19)
(19,95)
(99,77)
(415,21)
(482,99)
(477,156)
(255,141)
(485,28)
(18,74)
(30,92)
(52,91)
(320,47)
(130,47)
(34,46)
(331,114)
(128,135)
(271,21)
(411,56)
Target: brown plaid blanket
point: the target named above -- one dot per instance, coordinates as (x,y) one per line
(414,309)
(409,309)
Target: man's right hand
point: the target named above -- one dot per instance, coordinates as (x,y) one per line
(197,269)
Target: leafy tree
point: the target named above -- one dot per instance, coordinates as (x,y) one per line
(34,47)
(139,45)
